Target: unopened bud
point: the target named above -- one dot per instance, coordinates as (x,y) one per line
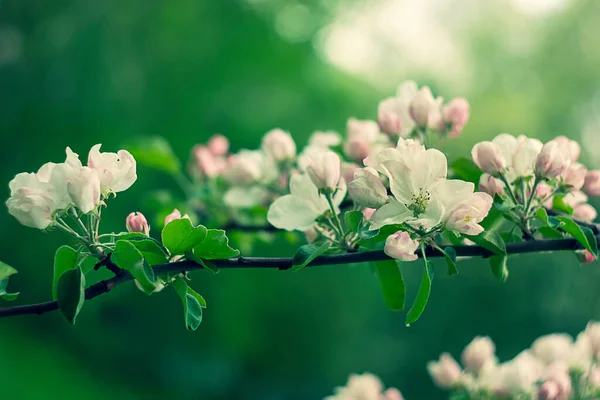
(136,222)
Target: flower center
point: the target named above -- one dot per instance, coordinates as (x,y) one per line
(420,201)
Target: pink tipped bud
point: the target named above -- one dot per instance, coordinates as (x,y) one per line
(456,113)
(585,257)
(489,157)
(218,145)
(279,145)
(324,170)
(356,148)
(207,163)
(571,147)
(548,390)
(311,234)
(368,213)
(422,106)
(491,185)
(446,372)
(136,222)
(552,160)
(367,189)
(477,353)
(585,212)
(401,246)
(574,176)
(388,117)
(176,214)
(392,394)
(592,183)
(348,171)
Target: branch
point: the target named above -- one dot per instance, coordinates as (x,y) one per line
(284,263)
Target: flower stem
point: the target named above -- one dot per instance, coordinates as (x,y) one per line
(508,189)
(336,219)
(531,195)
(66,228)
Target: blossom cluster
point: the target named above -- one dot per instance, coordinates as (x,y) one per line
(555,367)
(38,199)
(365,387)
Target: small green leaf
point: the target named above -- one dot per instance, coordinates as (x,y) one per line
(215,246)
(6,270)
(179,236)
(307,253)
(367,234)
(197,296)
(4,294)
(450,256)
(129,258)
(577,232)
(353,220)
(491,241)
(192,308)
(549,233)
(155,152)
(422,296)
(542,215)
(558,204)
(466,170)
(392,285)
(589,234)
(205,263)
(498,266)
(152,252)
(70,293)
(65,259)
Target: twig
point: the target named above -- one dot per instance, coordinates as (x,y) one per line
(284,263)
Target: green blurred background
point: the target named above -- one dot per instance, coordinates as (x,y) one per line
(78,73)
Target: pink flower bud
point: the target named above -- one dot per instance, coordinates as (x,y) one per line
(445,373)
(356,148)
(367,189)
(136,222)
(311,234)
(572,147)
(585,212)
(422,105)
(456,113)
(489,157)
(585,257)
(552,160)
(388,117)
(548,390)
(207,163)
(392,394)
(368,213)
(491,185)
(324,169)
(465,217)
(401,246)
(574,176)
(592,183)
(279,145)
(592,331)
(218,145)
(348,170)
(176,214)
(477,353)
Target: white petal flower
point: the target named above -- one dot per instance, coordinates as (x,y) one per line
(117,171)
(279,145)
(401,246)
(367,189)
(85,189)
(393,113)
(446,372)
(299,209)
(32,201)
(325,169)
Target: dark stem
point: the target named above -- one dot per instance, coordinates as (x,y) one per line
(284,263)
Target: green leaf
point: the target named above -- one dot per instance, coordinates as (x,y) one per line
(490,240)
(422,297)
(179,236)
(129,258)
(215,246)
(589,234)
(86,262)
(558,204)
(450,256)
(549,233)
(192,308)
(498,266)
(6,270)
(307,253)
(542,215)
(392,285)
(577,232)
(367,234)
(206,264)
(65,259)
(353,220)
(70,293)
(4,294)
(155,152)
(465,169)
(197,296)
(152,252)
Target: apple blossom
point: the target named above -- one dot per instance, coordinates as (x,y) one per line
(552,160)
(423,105)
(365,387)
(401,246)
(367,189)
(209,164)
(550,348)
(218,145)
(393,113)
(465,217)
(279,145)
(368,213)
(175,214)
(32,201)
(456,114)
(592,332)
(117,171)
(592,183)
(548,390)
(489,157)
(477,353)
(247,167)
(446,372)
(585,257)
(585,212)
(490,185)
(299,209)
(85,189)
(574,176)
(348,170)
(571,146)
(136,222)
(324,169)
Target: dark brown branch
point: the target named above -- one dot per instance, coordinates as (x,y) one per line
(284,263)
